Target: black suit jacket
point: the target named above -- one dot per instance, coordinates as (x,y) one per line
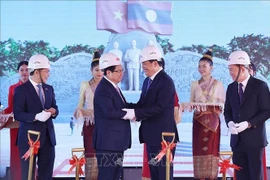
(111,132)
(254,108)
(155,110)
(26,104)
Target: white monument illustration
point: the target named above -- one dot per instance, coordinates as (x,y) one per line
(132,57)
(119,54)
(116,50)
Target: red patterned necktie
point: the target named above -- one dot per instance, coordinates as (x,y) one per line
(118,90)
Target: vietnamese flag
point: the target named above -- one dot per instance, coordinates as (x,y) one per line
(111,16)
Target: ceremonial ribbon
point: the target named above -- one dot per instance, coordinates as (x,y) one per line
(76,162)
(165,147)
(225,164)
(33,149)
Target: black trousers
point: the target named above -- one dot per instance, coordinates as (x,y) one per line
(250,161)
(158,169)
(110,164)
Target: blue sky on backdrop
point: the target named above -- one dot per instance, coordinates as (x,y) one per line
(74,22)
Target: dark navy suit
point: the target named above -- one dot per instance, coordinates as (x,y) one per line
(112,135)
(155,110)
(248,145)
(26,105)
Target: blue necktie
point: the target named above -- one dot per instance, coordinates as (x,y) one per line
(240,92)
(40,94)
(148,84)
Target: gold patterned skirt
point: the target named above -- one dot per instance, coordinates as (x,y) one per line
(205,150)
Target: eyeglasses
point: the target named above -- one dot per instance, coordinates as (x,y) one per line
(120,71)
(46,71)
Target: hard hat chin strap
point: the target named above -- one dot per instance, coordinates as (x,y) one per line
(40,76)
(238,74)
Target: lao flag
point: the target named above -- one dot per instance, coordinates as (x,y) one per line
(150,16)
(111,16)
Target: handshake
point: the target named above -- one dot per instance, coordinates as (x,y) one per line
(238,127)
(43,116)
(130,115)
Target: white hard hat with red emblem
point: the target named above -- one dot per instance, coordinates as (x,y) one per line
(108,59)
(38,61)
(239,57)
(151,52)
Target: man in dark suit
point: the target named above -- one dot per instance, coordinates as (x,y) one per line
(247,107)
(35,107)
(155,110)
(112,132)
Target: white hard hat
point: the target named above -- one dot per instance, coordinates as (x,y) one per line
(108,59)
(151,52)
(38,61)
(239,57)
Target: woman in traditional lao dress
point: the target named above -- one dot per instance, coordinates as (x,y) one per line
(15,159)
(206,121)
(85,113)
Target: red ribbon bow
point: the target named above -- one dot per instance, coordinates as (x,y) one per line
(33,149)
(76,162)
(225,164)
(163,151)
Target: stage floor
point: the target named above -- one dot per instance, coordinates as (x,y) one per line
(133,157)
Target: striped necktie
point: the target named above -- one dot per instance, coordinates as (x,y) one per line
(149,82)
(118,90)
(40,94)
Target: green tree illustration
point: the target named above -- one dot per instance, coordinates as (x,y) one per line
(9,56)
(220,52)
(257,47)
(67,50)
(200,49)
(165,44)
(12,52)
